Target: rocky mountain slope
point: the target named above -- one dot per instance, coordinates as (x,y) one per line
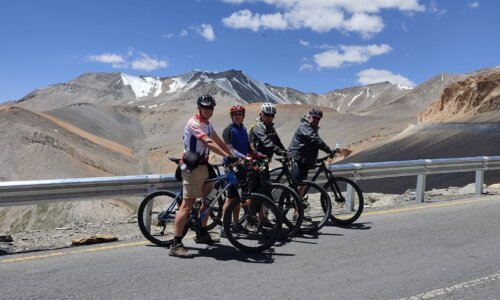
(475,99)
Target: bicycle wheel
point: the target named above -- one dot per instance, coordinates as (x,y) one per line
(291,205)
(261,227)
(156,217)
(317,206)
(347,200)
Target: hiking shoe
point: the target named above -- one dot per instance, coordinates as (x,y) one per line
(205,238)
(180,251)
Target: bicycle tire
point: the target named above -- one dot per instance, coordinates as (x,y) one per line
(341,213)
(253,236)
(158,232)
(317,210)
(290,203)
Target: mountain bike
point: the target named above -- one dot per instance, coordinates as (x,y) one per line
(315,200)
(347,197)
(157,212)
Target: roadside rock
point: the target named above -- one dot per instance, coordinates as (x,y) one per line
(94,239)
(5,238)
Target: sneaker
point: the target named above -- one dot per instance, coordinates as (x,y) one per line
(206,239)
(180,251)
(264,222)
(222,234)
(251,223)
(238,228)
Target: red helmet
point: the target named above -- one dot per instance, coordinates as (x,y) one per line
(237,109)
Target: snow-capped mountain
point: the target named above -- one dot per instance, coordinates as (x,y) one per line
(229,87)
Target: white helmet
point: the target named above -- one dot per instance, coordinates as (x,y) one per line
(268,108)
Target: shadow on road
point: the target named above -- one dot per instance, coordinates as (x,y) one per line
(226,252)
(357,226)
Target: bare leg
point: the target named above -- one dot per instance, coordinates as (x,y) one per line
(181,216)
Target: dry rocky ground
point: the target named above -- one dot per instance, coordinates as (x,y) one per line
(126,228)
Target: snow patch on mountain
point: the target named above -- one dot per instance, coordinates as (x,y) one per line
(355,97)
(266,91)
(404,87)
(143,86)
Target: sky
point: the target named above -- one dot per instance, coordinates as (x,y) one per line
(312,46)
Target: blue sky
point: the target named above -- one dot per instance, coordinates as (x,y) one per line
(313,46)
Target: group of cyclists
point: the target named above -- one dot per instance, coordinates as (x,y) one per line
(261,141)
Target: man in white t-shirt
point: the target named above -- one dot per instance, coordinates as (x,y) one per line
(199,138)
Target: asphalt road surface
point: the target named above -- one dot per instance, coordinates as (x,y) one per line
(446,250)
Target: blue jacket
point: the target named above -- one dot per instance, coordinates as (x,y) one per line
(237,137)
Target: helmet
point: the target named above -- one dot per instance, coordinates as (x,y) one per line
(316,112)
(268,108)
(206,101)
(237,109)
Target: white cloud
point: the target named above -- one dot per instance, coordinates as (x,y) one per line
(360,16)
(142,61)
(183,33)
(147,63)
(435,9)
(370,76)
(306,67)
(347,55)
(305,43)
(206,31)
(474,4)
(167,35)
(115,60)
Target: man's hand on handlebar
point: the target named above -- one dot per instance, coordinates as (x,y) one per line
(229,160)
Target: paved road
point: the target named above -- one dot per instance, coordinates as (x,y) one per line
(441,250)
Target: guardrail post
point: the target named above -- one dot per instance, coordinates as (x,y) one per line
(420,188)
(349,193)
(479,182)
(148,211)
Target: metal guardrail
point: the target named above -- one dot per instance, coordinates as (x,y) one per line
(420,168)
(42,191)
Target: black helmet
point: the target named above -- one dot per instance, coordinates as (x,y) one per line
(316,112)
(206,101)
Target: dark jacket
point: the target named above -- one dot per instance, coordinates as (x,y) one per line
(265,139)
(306,144)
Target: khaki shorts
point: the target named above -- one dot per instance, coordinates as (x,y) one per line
(193,182)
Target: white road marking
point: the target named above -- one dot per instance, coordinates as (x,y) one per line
(454,288)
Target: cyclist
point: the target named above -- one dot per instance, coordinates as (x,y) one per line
(263,136)
(306,144)
(236,137)
(199,138)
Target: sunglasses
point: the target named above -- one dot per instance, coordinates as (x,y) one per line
(207,107)
(239,115)
(269,115)
(316,118)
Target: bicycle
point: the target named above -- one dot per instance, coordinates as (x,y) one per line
(157,212)
(285,197)
(315,200)
(349,200)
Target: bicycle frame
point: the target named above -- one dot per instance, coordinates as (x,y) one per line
(330,181)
